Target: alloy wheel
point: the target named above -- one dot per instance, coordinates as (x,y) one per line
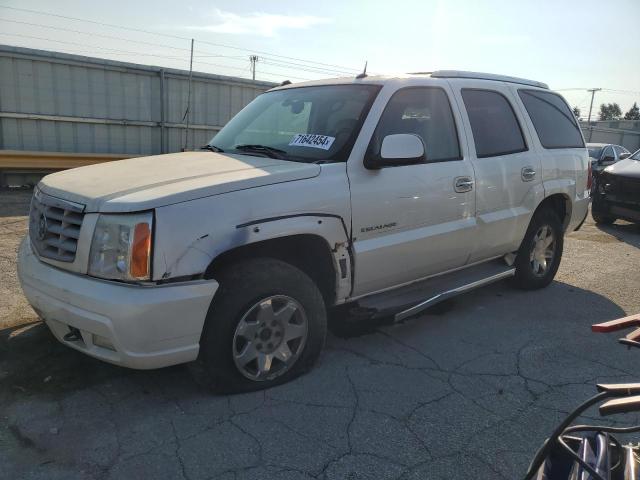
(270,337)
(543,250)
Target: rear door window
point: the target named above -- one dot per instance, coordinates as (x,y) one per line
(495,127)
(553,120)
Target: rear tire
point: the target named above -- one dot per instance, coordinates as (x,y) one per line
(538,258)
(248,340)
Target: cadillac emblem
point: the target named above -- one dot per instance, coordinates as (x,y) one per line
(41,231)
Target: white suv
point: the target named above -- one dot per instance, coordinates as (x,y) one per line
(387,194)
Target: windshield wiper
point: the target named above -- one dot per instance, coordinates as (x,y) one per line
(270,152)
(212,148)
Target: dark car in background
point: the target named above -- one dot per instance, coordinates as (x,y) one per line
(604,154)
(617,192)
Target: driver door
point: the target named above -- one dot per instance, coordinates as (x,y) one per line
(413,221)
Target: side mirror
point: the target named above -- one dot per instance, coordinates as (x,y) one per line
(396,150)
(608,160)
(625,155)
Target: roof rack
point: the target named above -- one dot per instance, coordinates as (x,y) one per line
(487,76)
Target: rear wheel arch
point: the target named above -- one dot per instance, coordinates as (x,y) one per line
(560,204)
(544,242)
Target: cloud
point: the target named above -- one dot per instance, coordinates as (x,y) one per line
(258,23)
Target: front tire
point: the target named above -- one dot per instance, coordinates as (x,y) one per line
(602,219)
(538,258)
(599,208)
(599,211)
(266,325)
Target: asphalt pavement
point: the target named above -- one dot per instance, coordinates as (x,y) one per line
(468,390)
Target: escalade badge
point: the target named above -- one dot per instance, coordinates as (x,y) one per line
(41,232)
(378,227)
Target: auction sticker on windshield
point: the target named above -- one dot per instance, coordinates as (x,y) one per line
(312,140)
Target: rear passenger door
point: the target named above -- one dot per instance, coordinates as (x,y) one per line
(558,143)
(507,172)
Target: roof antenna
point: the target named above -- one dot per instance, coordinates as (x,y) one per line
(364,72)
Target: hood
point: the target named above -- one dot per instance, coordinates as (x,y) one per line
(625,168)
(147,182)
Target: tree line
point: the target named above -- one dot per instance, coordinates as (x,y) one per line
(612,111)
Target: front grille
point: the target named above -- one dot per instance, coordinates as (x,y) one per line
(54,227)
(629,189)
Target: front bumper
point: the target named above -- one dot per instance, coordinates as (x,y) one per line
(624,211)
(129,325)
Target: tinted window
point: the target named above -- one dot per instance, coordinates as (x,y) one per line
(425,112)
(620,150)
(608,152)
(595,152)
(553,120)
(495,128)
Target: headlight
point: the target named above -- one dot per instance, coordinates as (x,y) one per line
(121,247)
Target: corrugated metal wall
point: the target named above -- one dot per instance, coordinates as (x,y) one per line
(618,132)
(57,102)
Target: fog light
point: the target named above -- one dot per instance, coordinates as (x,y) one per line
(103,342)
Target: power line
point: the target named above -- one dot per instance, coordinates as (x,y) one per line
(93,34)
(281,65)
(92,21)
(630,92)
(186,50)
(92,46)
(246,70)
(128,52)
(66,17)
(307,67)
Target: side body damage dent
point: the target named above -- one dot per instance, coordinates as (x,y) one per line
(189,236)
(200,252)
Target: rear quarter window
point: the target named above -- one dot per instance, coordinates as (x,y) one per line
(554,122)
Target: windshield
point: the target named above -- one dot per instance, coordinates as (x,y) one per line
(303,124)
(635,156)
(594,152)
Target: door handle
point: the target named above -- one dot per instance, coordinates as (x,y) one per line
(463,184)
(528,174)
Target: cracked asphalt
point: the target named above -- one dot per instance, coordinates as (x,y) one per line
(468,390)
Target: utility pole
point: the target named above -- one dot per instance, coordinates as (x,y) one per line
(253,59)
(187,112)
(593,93)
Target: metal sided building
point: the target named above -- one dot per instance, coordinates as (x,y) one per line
(83,109)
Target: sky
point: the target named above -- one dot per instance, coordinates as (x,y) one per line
(571,45)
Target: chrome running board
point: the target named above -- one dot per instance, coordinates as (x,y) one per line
(412,299)
(452,293)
